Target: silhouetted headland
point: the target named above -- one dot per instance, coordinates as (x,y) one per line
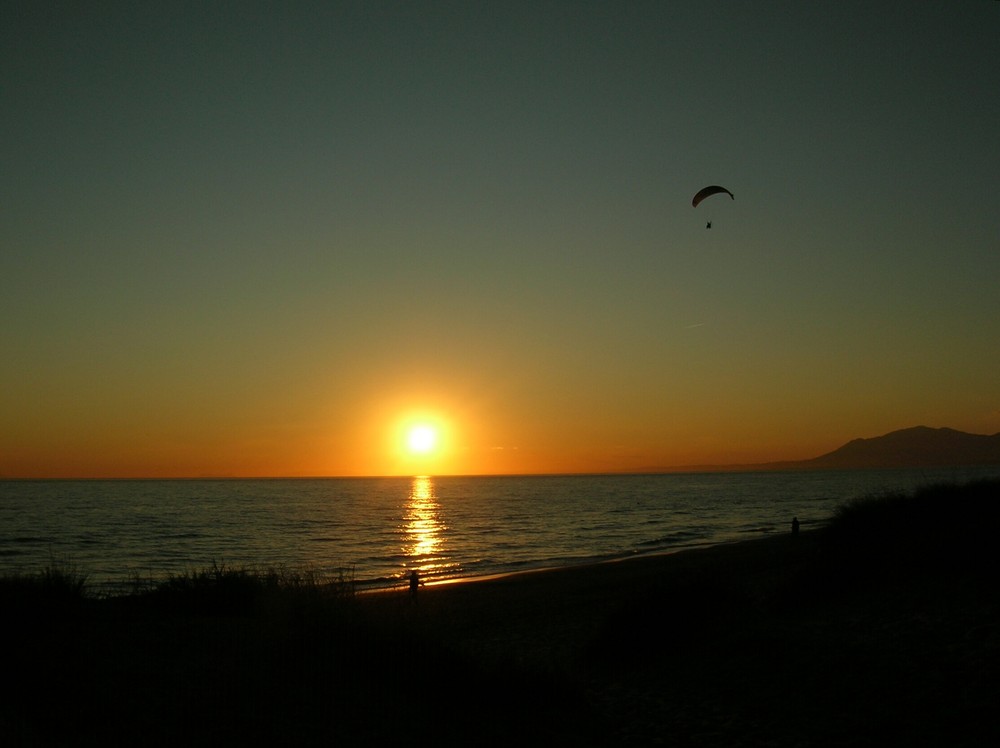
(916,447)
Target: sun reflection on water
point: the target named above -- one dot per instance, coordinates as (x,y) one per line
(423,531)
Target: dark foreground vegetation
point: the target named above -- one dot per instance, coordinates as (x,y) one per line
(880,628)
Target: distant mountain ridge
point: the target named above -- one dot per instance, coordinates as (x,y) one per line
(920,446)
(916,447)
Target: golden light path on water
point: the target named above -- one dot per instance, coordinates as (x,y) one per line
(424,530)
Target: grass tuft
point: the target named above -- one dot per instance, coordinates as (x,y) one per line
(58,583)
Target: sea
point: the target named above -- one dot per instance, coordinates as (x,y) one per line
(374,531)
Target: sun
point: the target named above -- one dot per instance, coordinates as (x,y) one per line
(421,439)
(421,442)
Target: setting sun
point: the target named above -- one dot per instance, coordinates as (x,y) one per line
(421,443)
(421,439)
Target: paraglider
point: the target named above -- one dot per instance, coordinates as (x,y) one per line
(708,192)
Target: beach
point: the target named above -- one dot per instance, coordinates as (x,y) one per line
(829,637)
(737,644)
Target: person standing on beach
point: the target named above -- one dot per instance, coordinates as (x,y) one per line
(415,582)
(795,525)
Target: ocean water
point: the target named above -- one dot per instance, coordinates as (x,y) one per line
(377,529)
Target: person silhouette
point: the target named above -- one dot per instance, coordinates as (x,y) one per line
(415,582)
(795,525)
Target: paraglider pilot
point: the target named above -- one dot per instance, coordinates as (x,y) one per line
(708,192)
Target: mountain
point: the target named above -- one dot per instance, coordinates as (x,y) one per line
(915,447)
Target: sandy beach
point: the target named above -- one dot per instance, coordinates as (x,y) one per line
(753,643)
(840,636)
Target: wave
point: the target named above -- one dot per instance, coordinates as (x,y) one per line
(482,526)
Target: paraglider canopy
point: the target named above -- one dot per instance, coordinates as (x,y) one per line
(708,192)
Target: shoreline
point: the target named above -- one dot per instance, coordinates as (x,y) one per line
(579,596)
(43,533)
(878,628)
(377,586)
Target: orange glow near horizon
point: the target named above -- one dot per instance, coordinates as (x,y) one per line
(421,443)
(429,430)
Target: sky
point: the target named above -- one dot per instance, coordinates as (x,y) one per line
(265,239)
